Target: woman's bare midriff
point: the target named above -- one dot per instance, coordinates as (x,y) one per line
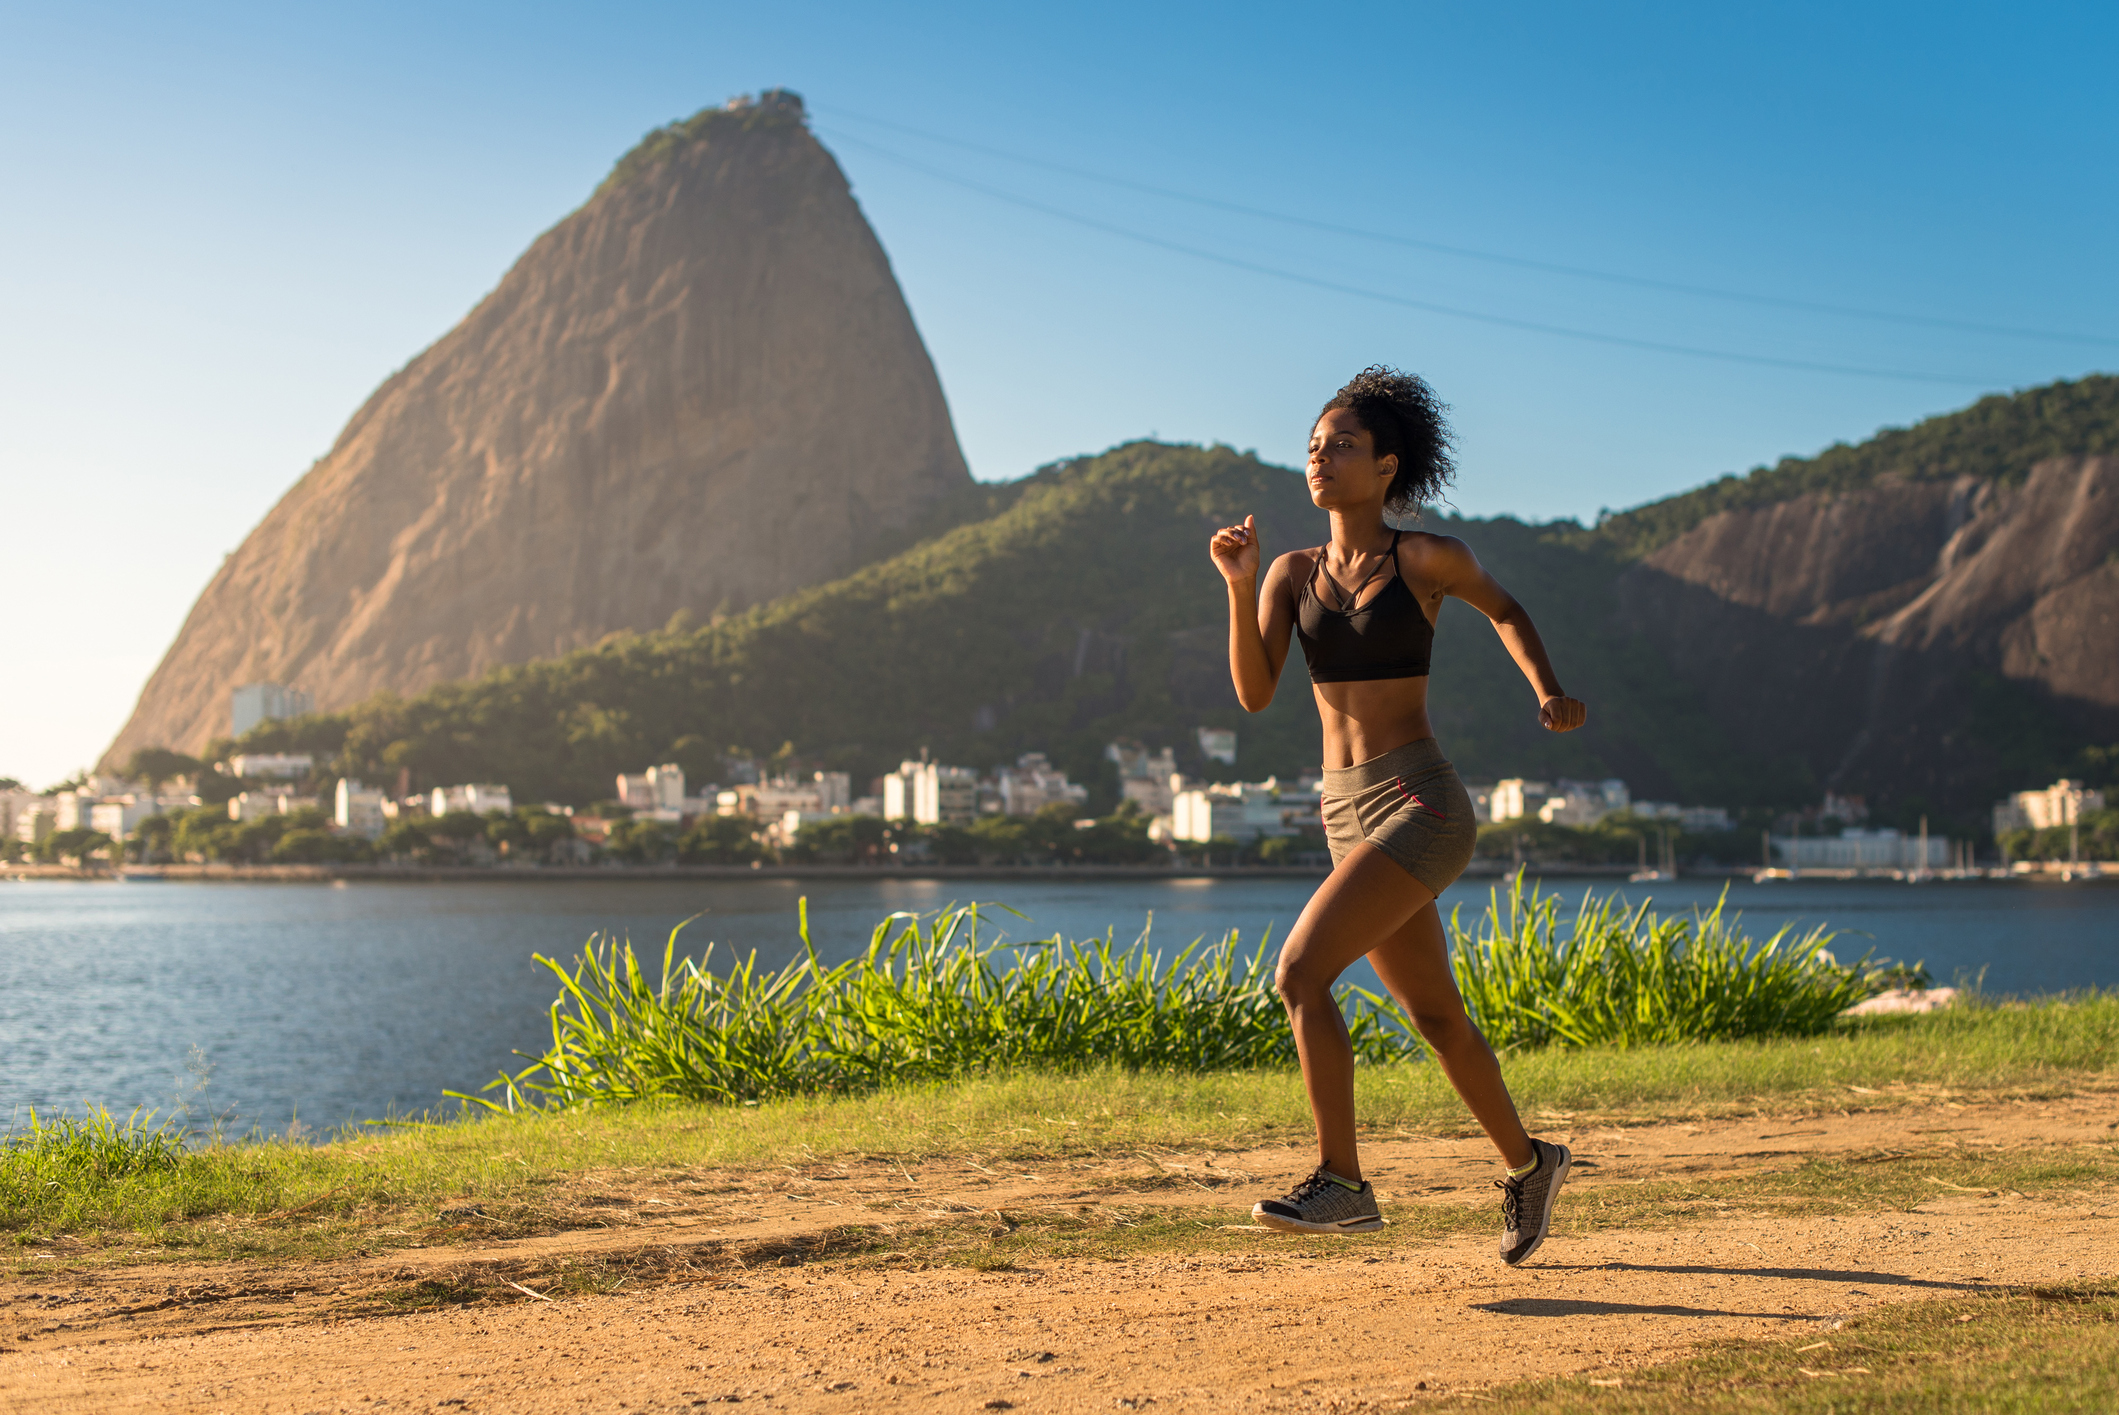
(1362,721)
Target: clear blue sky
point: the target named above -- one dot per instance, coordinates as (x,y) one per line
(225,224)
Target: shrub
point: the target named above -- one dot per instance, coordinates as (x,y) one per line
(925,1001)
(1628,977)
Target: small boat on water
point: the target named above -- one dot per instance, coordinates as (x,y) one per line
(1666,863)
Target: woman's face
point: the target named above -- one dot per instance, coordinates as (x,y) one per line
(1344,469)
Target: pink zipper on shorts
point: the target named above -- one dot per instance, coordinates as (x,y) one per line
(1410,795)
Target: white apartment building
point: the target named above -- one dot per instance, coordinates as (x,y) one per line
(1241,811)
(1033,784)
(73,808)
(1580,803)
(1218,744)
(931,794)
(358,809)
(35,819)
(1152,794)
(475,797)
(1858,849)
(2062,803)
(254,703)
(898,792)
(1562,802)
(13,804)
(1516,797)
(1145,778)
(945,795)
(826,793)
(834,790)
(118,819)
(659,794)
(271,766)
(256,805)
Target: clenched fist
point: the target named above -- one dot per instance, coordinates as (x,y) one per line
(1562,714)
(1235,551)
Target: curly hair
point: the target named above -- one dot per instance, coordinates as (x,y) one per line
(1404,417)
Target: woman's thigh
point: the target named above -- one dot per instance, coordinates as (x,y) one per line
(1361,906)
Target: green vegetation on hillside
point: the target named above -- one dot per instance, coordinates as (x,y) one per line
(1079,607)
(1999,438)
(775,109)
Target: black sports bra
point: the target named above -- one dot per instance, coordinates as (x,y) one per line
(1386,638)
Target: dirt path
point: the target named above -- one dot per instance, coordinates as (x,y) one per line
(1269,1327)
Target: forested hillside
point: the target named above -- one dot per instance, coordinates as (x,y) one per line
(1082,608)
(1999,438)
(1747,658)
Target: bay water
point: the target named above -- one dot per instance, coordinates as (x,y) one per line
(265,1005)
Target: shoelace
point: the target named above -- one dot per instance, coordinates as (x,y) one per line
(1511,1200)
(1309,1188)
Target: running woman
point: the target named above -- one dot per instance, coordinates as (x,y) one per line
(1398,820)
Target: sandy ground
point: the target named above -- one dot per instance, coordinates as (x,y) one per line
(731,1314)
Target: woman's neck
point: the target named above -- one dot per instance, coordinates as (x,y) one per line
(1360,530)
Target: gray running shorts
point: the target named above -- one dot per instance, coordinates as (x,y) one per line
(1409,804)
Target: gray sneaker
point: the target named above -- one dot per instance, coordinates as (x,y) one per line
(1321,1204)
(1526,1203)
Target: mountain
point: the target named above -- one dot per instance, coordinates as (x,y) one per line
(699,392)
(1932,615)
(1080,607)
(1925,618)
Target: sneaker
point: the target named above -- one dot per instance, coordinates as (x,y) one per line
(1322,1204)
(1526,1203)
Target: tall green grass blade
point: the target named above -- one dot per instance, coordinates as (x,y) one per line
(927,1001)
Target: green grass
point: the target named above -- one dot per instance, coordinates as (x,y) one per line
(1615,976)
(2052,1351)
(927,1001)
(382,1187)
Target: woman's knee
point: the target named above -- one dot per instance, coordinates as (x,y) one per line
(1300,981)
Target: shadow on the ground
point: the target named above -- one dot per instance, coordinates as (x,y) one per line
(1578,1307)
(1858,1278)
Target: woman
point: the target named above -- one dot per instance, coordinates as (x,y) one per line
(1397,819)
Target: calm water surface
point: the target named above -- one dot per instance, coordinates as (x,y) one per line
(354,1001)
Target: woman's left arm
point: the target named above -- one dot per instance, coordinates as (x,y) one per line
(1451,567)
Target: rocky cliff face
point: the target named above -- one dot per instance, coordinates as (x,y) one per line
(700,391)
(1897,635)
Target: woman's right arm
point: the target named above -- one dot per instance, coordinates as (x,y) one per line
(1257,648)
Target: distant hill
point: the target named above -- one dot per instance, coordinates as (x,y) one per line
(1734,662)
(1929,618)
(700,391)
(2000,438)
(1084,608)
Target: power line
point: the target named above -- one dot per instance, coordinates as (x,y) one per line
(1496,257)
(1427,306)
